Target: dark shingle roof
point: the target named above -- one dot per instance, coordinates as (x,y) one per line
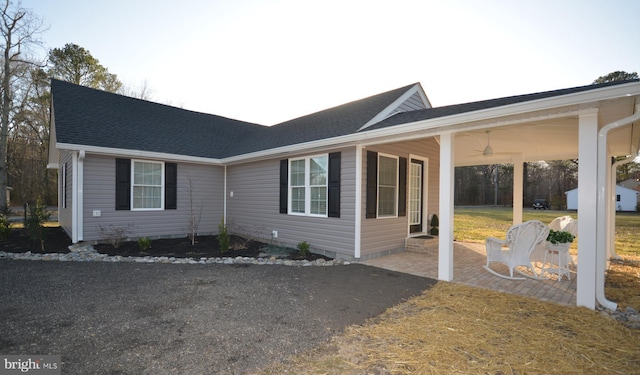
(86,116)
(337,121)
(431,113)
(90,117)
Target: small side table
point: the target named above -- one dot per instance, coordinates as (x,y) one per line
(557,255)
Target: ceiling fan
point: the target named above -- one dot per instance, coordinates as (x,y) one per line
(488,149)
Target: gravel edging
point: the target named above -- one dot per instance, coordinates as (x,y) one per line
(86,253)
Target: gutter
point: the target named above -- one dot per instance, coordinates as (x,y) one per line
(601,210)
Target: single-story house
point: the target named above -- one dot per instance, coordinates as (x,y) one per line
(354,181)
(626,199)
(632,183)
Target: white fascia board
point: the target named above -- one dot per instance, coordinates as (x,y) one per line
(433,127)
(137,153)
(53,154)
(307,147)
(424,97)
(576,100)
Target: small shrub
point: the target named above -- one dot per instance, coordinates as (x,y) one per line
(144,243)
(4,227)
(223,237)
(4,222)
(34,225)
(434,225)
(303,248)
(115,234)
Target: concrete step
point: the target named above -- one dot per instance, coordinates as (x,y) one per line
(422,244)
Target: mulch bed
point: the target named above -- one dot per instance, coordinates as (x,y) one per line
(57,241)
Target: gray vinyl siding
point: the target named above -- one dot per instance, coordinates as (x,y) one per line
(65,213)
(387,235)
(99,194)
(253,210)
(412,104)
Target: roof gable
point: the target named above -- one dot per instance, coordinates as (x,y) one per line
(412,100)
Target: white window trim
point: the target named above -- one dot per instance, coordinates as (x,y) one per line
(395,215)
(307,187)
(162,183)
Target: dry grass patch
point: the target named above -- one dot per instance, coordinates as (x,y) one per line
(623,282)
(457,329)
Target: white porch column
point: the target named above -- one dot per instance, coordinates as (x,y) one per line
(74,197)
(587,208)
(445,243)
(358,213)
(518,190)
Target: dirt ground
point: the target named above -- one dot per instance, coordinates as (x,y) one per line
(134,318)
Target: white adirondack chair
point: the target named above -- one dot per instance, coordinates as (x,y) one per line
(516,250)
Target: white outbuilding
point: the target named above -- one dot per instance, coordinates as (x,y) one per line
(626,199)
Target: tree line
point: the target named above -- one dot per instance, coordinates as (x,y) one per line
(25,112)
(493,184)
(26,102)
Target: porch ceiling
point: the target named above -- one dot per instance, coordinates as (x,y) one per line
(547,139)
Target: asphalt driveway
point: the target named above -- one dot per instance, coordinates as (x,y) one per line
(130,318)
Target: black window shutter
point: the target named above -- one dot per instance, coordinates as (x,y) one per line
(123,184)
(334,185)
(284,185)
(170,186)
(402,187)
(372,184)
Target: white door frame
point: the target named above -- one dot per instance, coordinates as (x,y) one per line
(425,188)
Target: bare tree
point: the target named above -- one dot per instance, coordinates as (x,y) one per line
(140,91)
(195,211)
(19,29)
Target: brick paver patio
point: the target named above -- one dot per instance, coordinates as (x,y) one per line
(469,259)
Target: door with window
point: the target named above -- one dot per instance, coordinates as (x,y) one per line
(416,194)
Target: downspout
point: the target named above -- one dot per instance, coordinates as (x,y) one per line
(80,205)
(601,208)
(611,248)
(224,208)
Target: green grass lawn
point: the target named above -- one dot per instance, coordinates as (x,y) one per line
(475,224)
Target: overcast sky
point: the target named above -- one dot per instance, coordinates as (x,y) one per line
(270,61)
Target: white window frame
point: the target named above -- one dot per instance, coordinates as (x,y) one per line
(308,186)
(395,195)
(133,185)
